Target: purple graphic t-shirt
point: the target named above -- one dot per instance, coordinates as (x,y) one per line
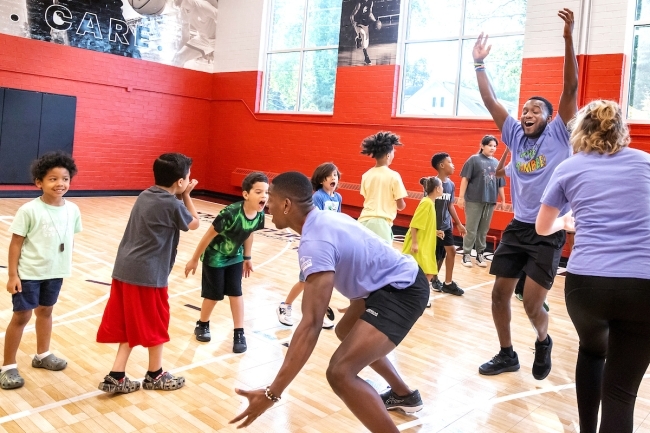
(533,163)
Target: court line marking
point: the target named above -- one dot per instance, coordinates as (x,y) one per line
(489,403)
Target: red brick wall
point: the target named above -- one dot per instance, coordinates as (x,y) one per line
(128,111)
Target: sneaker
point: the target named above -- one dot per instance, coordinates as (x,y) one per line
(409,404)
(284,314)
(545,305)
(542,363)
(367,60)
(122,386)
(330,313)
(452,288)
(239,343)
(164,382)
(11,379)
(429,303)
(520,296)
(501,363)
(436,285)
(467,261)
(327,323)
(480,261)
(202,332)
(50,362)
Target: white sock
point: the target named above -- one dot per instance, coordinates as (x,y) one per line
(42,355)
(8,367)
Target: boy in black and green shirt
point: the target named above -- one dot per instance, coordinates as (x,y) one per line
(225,250)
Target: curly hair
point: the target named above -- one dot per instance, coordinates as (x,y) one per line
(321,173)
(437,159)
(429,184)
(380,144)
(51,160)
(599,127)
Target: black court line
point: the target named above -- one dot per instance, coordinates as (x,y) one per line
(3,267)
(285,344)
(194,307)
(99,282)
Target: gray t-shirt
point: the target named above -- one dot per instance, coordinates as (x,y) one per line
(147,252)
(443,217)
(482,183)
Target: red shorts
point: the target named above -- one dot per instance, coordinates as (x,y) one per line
(136,315)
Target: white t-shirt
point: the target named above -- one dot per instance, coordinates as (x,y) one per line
(45,228)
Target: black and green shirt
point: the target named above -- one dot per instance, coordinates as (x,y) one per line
(233,228)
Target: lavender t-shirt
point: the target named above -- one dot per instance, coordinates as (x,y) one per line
(361,261)
(610,199)
(534,160)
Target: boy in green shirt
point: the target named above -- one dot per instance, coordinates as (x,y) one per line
(226,253)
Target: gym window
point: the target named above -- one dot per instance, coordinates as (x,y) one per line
(638,106)
(437,55)
(301,55)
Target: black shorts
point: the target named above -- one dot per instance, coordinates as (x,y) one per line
(394,311)
(448,241)
(522,251)
(217,282)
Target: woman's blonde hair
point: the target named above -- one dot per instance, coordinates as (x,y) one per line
(599,126)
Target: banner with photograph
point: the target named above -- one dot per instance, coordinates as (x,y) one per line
(369,31)
(173,32)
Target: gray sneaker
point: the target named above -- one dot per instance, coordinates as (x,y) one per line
(480,261)
(467,261)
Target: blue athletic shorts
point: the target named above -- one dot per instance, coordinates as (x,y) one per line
(37,292)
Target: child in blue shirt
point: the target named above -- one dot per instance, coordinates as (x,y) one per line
(325,180)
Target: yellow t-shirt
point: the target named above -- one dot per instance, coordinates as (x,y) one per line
(424,220)
(381,186)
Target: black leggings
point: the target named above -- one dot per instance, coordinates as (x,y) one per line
(612,317)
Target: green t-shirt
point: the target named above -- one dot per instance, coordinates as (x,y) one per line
(233,228)
(45,228)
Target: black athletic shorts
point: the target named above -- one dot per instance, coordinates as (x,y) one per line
(394,311)
(217,282)
(522,251)
(448,241)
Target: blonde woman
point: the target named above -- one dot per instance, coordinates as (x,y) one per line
(607,289)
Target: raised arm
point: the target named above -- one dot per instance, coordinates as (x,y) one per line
(501,167)
(480,52)
(569,99)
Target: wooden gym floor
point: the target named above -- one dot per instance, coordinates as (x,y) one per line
(440,356)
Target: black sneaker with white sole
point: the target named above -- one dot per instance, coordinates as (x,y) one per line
(542,363)
(480,261)
(239,343)
(408,404)
(501,363)
(202,331)
(466,261)
(436,285)
(452,288)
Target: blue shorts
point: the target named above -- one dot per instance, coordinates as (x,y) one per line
(301,277)
(37,292)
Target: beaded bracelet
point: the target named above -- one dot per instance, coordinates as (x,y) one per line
(271,396)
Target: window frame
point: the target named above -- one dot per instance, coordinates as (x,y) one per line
(627,81)
(401,56)
(267,52)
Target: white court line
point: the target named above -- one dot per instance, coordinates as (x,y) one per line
(488,403)
(91,394)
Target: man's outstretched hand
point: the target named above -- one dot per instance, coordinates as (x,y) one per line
(567,16)
(257,405)
(481,48)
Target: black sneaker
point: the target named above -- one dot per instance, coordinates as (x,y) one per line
(408,404)
(452,288)
(202,332)
(330,313)
(239,343)
(542,363)
(436,285)
(501,363)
